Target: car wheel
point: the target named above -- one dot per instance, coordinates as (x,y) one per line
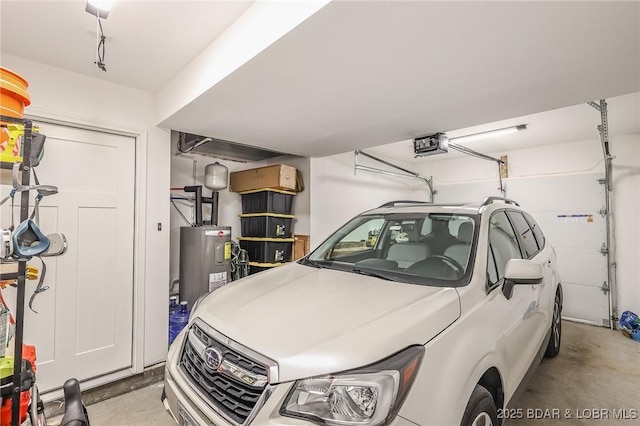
(481,409)
(553,348)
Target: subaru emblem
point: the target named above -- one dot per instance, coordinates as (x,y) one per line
(212,358)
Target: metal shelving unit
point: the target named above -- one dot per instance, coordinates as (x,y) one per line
(25,168)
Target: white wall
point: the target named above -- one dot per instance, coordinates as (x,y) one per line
(75,98)
(230,203)
(557,160)
(337,194)
(261,25)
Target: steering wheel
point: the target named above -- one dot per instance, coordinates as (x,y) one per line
(432,267)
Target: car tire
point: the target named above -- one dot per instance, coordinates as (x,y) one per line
(553,348)
(481,409)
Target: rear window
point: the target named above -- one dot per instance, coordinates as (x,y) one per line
(537,232)
(525,233)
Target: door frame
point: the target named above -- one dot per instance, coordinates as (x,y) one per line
(139,242)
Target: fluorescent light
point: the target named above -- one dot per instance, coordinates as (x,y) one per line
(99,8)
(489,133)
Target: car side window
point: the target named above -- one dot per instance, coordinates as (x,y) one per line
(525,233)
(503,246)
(537,232)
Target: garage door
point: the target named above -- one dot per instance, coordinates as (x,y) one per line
(567,209)
(83,328)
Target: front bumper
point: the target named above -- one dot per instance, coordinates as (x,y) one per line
(179,396)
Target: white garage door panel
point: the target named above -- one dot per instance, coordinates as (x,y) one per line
(581,266)
(558,193)
(572,232)
(592,306)
(567,209)
(85,321)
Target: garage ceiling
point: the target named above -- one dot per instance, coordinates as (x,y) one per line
(354,74)
(148,42)
(569,124)
(360,74)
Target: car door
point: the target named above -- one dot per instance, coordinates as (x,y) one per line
(517,341)
(547,256)
(533,251)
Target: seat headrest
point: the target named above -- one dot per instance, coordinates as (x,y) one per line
(465,232)
(408,252)
(412,231)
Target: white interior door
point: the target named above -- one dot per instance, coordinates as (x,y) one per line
(85,320)
(567,209)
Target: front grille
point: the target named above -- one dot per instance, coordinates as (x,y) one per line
(228,394)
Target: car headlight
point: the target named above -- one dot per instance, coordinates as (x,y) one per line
(368,396)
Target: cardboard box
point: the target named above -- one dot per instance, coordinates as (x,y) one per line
(300,246)
(279,176)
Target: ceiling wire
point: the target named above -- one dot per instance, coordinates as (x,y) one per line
(100,50)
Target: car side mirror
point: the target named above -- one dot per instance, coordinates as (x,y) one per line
(521,272)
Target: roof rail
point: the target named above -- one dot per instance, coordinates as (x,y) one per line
(397,202)
(490,200)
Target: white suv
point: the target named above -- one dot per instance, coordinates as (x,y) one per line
(411,313)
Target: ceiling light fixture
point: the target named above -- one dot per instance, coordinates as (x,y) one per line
(100,9)
(489,133)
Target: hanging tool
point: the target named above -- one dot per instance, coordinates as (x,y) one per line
(40,288)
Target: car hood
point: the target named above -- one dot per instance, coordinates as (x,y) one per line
(317,321)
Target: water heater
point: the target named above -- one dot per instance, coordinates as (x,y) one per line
(205,260)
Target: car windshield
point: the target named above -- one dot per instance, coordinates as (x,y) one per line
(418,248)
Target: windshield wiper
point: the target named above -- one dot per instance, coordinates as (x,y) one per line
(309,262)
(371,274)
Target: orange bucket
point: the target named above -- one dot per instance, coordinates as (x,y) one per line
(13,94)
(13,99)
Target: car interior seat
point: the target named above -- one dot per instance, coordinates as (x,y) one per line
(407,253)
(440,238)
(460,252)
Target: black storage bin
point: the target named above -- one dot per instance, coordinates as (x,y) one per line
(267,250)
(267,201)
(255,267)
(266,225)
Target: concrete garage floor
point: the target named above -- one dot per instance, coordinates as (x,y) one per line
(595,379)
(141,407)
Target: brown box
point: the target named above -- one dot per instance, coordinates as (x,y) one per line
(279,176)
(300,246)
